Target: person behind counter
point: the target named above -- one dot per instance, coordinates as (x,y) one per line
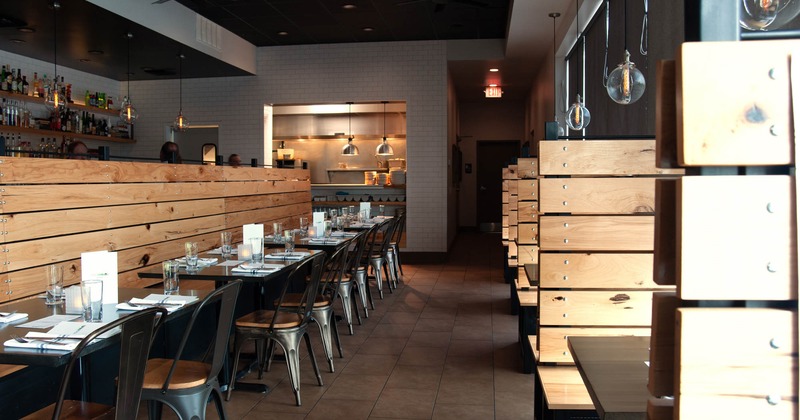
(167,150)
(234,160)
(77,150)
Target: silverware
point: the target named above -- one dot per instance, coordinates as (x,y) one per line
(56,341)
(7,314)
(150,305)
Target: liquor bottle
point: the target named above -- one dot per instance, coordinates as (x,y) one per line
(3,80)
(42,148)
(10,87)
(19,81)
(87,99)
(25,86)
(35,84)
(68,96)
(45,87)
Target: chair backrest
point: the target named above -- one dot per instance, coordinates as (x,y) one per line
(400,226)
(227,295)
(311,267)
(356,248)
(371,246)
(333,270)
(136,336)
(387,229)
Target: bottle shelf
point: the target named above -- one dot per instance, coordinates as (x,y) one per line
(53,133)
(73,105)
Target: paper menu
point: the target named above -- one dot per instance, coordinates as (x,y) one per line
(102,265)
(318,217)
(252,230)
(364,206)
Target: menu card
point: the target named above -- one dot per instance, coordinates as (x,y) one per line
(364,206)
(318,221)
(102,265)
(252,230)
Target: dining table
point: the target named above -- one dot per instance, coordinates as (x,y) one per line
(615,371)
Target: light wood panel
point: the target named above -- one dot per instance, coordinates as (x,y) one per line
(528,234)
(527,168)
(596,271)
(736,111)
(563,388)
(597,195)
(553,340)
(528,189)
(596,233)
(527,211)
(737,239)
(594,308)
(528,254)
(600,157)
(732,375)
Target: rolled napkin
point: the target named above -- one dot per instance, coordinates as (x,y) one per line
(6,317)
(287,255)
(201,262)
(256,268)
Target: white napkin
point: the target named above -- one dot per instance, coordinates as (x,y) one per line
(343,233)
(65,345)
(218,251)
(145,303)
(11,318)
(324,241)
(287,255)
(256,268)
(201,262)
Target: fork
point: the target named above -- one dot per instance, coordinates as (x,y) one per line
(56,341)
(150,305)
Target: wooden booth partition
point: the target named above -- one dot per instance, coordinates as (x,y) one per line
(53,210)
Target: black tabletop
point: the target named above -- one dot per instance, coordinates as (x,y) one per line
(36,309)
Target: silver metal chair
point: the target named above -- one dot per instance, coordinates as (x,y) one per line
(394,245)
(283,325)
(378,257)
(348,281)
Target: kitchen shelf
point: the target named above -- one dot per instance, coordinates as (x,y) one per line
(340,136)
(351,203)
(53,133)
(73,105)
(358,170)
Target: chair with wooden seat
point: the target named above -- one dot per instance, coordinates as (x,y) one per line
(348,280)
(328,291)
(136,336)
(393,255)
(186,385)
(285,325)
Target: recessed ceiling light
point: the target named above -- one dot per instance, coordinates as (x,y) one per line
(348,6)
(368,29)
(96,52)
(26,30)
(492,84)
(283,33)
(494,70)
(17,41)
(85,60)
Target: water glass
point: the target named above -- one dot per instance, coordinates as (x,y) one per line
(381,209)
(191,255)
(352,211)
(55,285)
(332,213)
(328,229)
(289,240)
(169,270)
(257,247)
(277,231)
(227,244)
(304,225)
(92,300)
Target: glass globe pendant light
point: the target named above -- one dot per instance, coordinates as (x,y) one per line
(128,113)
(384,149)
(626,83)
(180,124)
(578,116)
(350,149)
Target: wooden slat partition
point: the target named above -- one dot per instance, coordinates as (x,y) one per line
(53,210)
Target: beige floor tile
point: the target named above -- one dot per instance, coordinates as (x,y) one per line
(330,409)
(423,356)
(463,412)
(513,405)
(416,377)
(405,403)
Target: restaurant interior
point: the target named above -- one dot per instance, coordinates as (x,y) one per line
(562,209)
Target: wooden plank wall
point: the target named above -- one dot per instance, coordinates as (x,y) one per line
(53,210)
(597,200)
(726,342)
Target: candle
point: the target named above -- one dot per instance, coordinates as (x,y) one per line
(312,232)
(245,252)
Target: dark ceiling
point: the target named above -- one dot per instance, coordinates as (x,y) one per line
(92,39)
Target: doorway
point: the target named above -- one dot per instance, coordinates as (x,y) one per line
(492,156)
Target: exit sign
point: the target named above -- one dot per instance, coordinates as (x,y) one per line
(493,92)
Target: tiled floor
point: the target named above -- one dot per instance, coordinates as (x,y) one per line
(442,346)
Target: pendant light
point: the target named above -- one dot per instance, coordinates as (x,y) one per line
(554,15)
(180,123)
(384,149)
(128,113)
(626,83)
(350,149)
(578,115)
(53,97)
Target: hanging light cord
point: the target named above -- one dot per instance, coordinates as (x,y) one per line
(56,6)
(643,36)
(129,35)
(350,120)
(605,55)
(555,88)
(384,121)
(180,83)
(577,39)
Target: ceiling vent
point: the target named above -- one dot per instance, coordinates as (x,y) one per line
(209,33)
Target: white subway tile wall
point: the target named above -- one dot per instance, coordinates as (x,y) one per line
(415,72)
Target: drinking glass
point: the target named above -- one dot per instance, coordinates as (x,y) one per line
(257,246)
(277,231)
(352,211)
(169,270)
(328,228)
(332,213)
(55,285)
(92,300)
(304,226)
(227,245)
(191,255)
(381,209)
(288,240)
